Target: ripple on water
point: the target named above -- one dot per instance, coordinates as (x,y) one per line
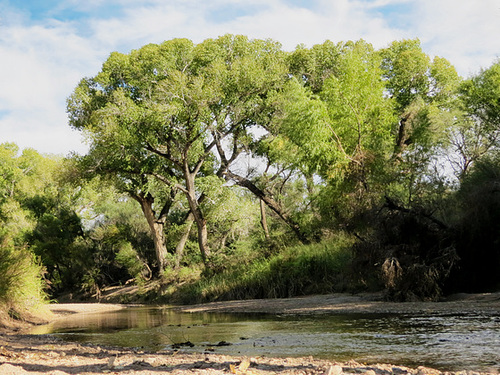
(448,342)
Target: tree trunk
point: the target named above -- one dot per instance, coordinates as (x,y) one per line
(203,238)
(198,216)
(403,138)
(270,202)
(159,243)
(156,226)
(263,220)
(179,249)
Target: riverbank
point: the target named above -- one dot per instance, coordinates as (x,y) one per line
(21,353)
(341,303)
(25,354)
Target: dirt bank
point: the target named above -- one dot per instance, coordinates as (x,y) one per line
(21,353)
(359,303)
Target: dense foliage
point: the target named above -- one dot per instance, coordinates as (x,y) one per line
(234,169)
(21,176)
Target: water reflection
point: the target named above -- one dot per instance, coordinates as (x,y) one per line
(445,342)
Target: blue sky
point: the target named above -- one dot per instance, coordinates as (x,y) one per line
(47,46)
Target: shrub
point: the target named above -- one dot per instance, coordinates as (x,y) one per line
(21,285)
(478,230)
(408,252)
(128,258)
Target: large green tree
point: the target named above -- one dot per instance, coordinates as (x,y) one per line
(422,91)
(336,113)
(171,108)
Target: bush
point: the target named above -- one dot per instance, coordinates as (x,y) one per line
(128,258)
(408,252)
(478,230)
(21,285)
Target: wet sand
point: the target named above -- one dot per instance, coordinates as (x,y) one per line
(359,303)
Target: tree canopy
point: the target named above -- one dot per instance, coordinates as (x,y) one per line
(328,133)
(232,168)
(177,111)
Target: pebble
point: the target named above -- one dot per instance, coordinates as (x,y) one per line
(335,370)
(8,369)
(427,371)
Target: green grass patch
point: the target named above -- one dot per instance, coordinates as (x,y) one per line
(300,270)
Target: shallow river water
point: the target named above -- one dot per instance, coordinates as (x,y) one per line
(447,342)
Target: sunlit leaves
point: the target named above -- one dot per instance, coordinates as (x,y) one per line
(9,172)
(406,69)
(306,124)
(444,81)
(356,104)
(475,133)
(480,96)
(350,120)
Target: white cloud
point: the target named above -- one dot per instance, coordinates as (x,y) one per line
(39,67)
(42,61)
(45,131)
(383,3)
(465,32)
(141,26)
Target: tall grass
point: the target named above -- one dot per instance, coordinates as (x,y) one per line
(300,270)
(21,287)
